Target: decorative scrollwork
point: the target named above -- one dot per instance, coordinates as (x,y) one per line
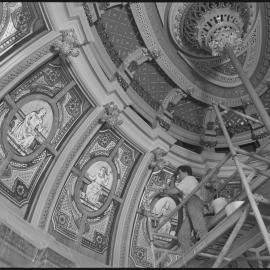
(69,44)
(158,162)
(223,39)
(22,19)
(196,25)
(90,12)
(111,114)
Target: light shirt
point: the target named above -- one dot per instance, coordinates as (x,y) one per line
(188,183)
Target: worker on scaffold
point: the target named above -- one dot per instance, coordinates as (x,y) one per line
(183,184)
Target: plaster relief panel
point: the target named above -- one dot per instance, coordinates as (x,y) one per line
(93,194)
(36,118)
(157,207)
(20,22)
(30,127)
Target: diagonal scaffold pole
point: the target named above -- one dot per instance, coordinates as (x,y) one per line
(231,238)
(246,186)
(249,87)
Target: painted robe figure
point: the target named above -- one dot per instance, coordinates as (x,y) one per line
(94,190)
(162,214)
(25,132)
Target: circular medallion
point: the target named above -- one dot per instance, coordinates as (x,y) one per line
(161,206)
(97,187)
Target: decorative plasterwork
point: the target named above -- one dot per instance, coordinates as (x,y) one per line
(28,62)
(67,163)
(69,44)
(219,70)
(230,97)
(20,21)
(34,255)
(36,119)
(193,25)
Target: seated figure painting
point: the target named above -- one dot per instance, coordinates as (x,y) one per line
(101,178)
(29,128)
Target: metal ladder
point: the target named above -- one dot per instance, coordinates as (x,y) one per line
(224,243)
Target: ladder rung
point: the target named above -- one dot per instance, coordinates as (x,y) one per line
(253,155)
(241,114)
(203,254)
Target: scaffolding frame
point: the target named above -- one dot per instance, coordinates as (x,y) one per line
(252,204)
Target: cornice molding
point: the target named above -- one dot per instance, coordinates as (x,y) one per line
(26,61)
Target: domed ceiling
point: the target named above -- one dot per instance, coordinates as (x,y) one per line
(178,41)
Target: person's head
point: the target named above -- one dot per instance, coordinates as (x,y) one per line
(182,171)
(102,172)
(42,112)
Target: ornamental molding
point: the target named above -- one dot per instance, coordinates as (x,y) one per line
(27,62)
(68,45)
(86,136)
(133,204)
(110,115)
(146,30)
(158,162)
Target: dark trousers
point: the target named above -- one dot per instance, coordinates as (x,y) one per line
(194,209)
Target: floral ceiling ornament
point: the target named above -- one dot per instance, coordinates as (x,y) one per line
(158,162)
(69,44)
(111,114)
(223,39)
(155,52)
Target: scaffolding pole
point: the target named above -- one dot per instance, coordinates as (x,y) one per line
(244,181)
(253,155)
(250,89)
(204,180)
(241,114)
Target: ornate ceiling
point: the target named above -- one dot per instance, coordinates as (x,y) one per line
(177,56)
(100,102)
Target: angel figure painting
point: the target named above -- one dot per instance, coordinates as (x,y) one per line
(30,128)
(101,177)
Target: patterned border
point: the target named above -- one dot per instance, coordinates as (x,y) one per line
(143,23)
(125,245)
(27,62)
(61,173)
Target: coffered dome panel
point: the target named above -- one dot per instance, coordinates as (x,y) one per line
(179,40)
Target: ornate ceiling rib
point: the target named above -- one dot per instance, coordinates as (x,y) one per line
(180,42)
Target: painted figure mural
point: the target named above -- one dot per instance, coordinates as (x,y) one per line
(30,126)
(161,210)
(101,177)
(24,132)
